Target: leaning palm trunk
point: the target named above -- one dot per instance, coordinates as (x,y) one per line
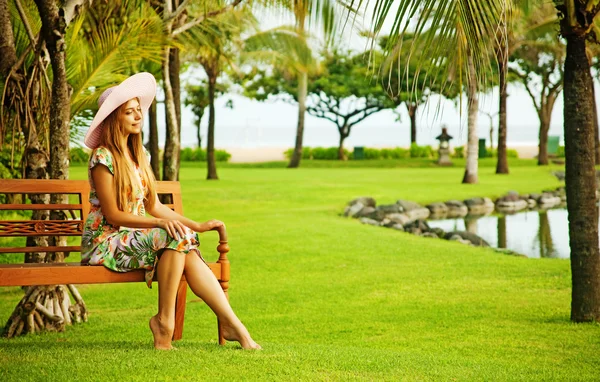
(302,91)
(581,182)
(471,167)
(48,308)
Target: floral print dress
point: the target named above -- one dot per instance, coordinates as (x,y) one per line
(124,249)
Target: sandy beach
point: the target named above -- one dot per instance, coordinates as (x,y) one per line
(268,154)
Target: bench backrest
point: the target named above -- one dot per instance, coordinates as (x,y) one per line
(77,211)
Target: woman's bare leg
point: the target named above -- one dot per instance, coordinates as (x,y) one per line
(169,270)
(204,285)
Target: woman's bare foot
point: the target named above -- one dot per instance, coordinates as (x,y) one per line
(240,334)
(162,334)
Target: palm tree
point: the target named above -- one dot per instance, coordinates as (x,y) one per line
(520,26)
(216,42)
(91,60)
(459,35)
(317,11)
(578,24)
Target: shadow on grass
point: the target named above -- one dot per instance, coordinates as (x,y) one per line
(68,344)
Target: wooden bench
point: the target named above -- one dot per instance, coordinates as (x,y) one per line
(76,273)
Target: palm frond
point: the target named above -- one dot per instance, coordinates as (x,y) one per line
(281,46)
(444,31)
(111,54)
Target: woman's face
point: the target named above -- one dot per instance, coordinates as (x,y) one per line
(130,117)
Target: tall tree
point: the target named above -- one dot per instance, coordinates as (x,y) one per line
(346,93)
(79,64)
(317,12)
(472,163)
(578,24)
(216,42)
(540,69)
(49,43)
(459,34)
(179,17)
(197,99)
(520,24)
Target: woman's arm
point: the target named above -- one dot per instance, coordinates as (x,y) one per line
(105,190)
(159,210)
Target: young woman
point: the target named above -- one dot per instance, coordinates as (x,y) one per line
(117,233)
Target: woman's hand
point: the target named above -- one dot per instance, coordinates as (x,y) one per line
(212,225)
(174,228)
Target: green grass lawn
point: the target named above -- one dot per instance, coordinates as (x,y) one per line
(331,299)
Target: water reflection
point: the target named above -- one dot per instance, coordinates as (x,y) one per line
(532,233)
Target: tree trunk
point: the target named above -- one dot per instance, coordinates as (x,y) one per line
(153,140)
(172,144)
(473,141)
(502,163)
(597,133)
(30,315)
(302,91)
(412,113)
(210,145)
(198,131)
(543,144)
(581,182)
(341,154)
(7,41)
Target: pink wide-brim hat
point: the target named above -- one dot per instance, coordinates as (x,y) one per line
(140,85)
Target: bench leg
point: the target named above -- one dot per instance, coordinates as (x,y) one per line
(180,310)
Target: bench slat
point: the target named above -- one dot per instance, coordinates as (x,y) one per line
(71,273)
(66,248)
(27,207)
(44,186)
(10,228)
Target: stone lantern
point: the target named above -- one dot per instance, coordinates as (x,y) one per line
(444,150)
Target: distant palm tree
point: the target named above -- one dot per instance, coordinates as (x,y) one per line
(213,44)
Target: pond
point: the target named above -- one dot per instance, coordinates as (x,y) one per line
(532,233)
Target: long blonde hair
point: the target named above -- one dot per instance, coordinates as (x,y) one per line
(123,172)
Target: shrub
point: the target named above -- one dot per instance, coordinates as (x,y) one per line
(189,154)
(417,151)
(79,155)
(372,153)
(306,153)
(222,156)
(327,153)
(511,153)
(459,152)
(560,152)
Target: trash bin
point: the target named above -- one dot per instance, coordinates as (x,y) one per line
(553,143)
(359,152)
(482,148)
